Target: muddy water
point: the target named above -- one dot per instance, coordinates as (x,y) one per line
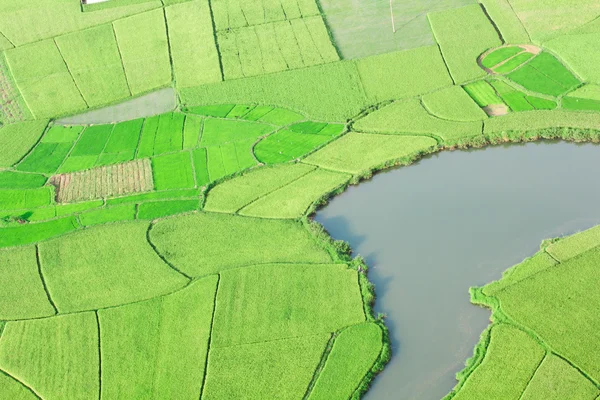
(150,104)
(455,220)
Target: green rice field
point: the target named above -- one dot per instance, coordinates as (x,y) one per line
(174,256)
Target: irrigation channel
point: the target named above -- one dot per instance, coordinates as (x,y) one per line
(451,221)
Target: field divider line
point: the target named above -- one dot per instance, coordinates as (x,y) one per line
(551,256)
(440,141)
(518,19)
(150,226)
(7,39)
(320,365)
(28,388)
(193,164)
(541,341)
(112,25)
(533,375)
(39,267)
(440,118)
(312,39)
(15,165)
(212,323)
(215,38)
(115,306)
(276,189)
(487,15)
(164,9)
(99,355)
(70,73)
(385,345)
(314,334)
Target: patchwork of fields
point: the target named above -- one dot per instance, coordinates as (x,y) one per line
(173,255)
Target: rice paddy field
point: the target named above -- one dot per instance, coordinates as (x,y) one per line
(171,253)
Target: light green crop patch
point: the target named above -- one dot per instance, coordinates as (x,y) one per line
(143,44)
(160,344)
(511,358)
(463,34)
(504,17)
(231,14)
(293,200)
(357,153)
(403,74)
(23,295)
(580,52)
(409,117)
(540,119)
(17,139)
(62,355)
(232,195)
(93,59)
(453,103)
(274,47)
(547,19)
(353,354)
(32,233)
(23,23)
(527,268)
(43,59)
(184,241)
(333,289)
(330,92)
(241,371)
(556,379)
(193,48)
(13,389)
(105,266)
(575,245)
(561,309)
(295,142)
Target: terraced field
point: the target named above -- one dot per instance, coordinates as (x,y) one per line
(173,255)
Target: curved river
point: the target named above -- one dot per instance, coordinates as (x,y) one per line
(451,221)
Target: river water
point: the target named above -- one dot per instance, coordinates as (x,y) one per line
(454,220)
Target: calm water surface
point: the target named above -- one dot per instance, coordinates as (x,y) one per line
(455,220)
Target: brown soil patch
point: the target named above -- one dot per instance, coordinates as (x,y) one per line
(531,48)
(495,110)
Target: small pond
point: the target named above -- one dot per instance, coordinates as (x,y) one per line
(451,221)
